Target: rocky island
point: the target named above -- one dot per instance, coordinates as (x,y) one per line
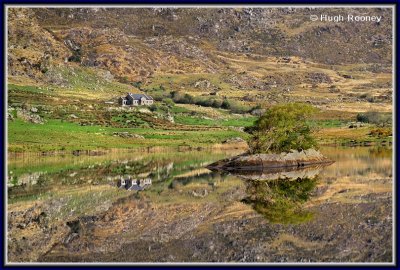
(274,137)
(292,160)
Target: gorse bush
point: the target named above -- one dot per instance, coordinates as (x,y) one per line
(381,132)
(282,128)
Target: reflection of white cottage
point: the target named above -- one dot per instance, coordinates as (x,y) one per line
(122,182)
(134,184)
(144,182)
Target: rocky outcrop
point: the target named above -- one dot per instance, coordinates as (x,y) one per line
(29,116)
(301,159)
(234,140)
(127,135)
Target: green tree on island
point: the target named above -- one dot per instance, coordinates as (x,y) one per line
(282,128)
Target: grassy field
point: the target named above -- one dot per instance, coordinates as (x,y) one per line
(56,135)
(239,122)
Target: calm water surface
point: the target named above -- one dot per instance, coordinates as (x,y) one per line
(167,207)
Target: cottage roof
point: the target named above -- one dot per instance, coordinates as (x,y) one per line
(139,96)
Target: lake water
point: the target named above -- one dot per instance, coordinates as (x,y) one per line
(167,207)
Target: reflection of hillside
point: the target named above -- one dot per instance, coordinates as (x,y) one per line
(160,167)
(199,175)
(280,201)
(359,174)
(372,162)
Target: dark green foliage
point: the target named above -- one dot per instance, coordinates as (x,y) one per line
(233,106)
(282,128)
(158,95)
(377,118)
(153,107)
(137,84)
(362,118)
(236,107)
(76,56)
(169,102)
(225,104)
(179,97)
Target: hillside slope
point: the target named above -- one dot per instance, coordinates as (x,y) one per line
(256,56)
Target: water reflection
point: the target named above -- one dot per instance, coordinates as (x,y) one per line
(129,183)
(341,212)
(280,201)
(288,173)
(132,171)
(279,194)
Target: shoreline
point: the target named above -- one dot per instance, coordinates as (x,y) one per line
(151,149)
(179,148)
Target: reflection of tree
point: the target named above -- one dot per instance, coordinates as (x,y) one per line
(280,201)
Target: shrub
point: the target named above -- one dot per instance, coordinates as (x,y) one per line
(179,97)
(76,56)
(377,118)
(169,102)
(381,132)
(217,103)
(232,105)
(362,118)
(124,79)
(282,128)
(158,95)
(226,104)
(137,84)
(153,107)
(236,107)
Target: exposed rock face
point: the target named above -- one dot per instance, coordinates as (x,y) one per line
(234,140)
(32,50)
(135,43)
(270,161)
(28,116)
